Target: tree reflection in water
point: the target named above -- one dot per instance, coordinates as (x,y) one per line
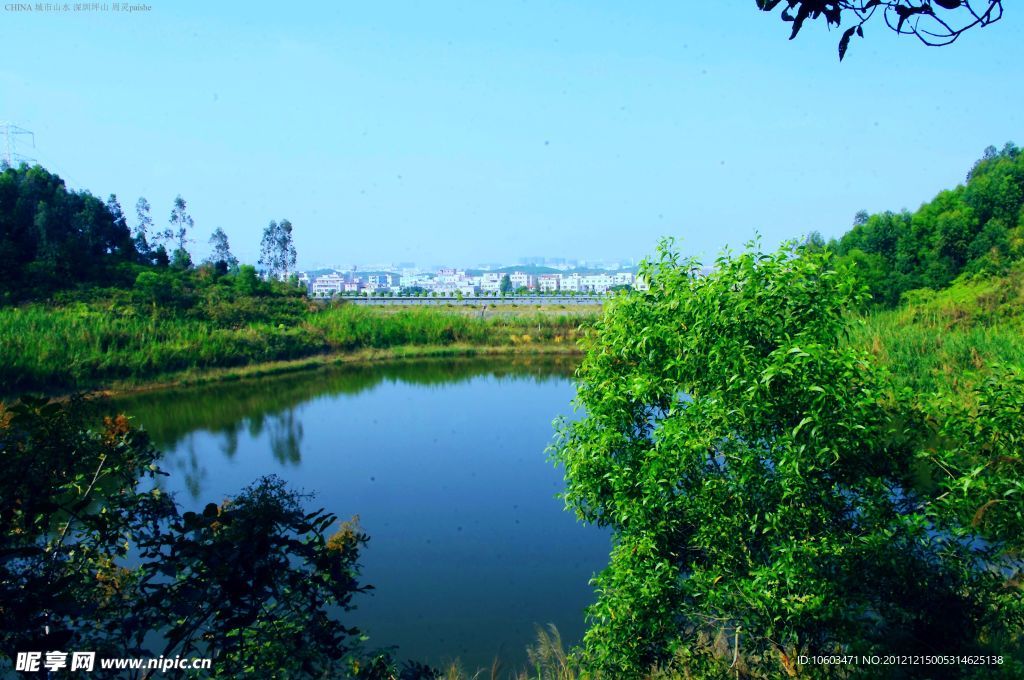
(173,417)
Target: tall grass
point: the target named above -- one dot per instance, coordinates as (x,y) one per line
(85,345)
(351,327)
(949,340)
(548,661)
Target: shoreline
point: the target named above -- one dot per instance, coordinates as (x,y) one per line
(193,377)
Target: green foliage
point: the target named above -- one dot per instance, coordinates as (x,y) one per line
(179,224)
(52,238)
(974,228)
(277,249)
(947,341)
(158,287)
(170,322)
(246,282)
(254,582)
(982,462)
(143,223)
(759,476)
(181,260)
(62,520)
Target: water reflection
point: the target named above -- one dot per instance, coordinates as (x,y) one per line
(444,462)
(223,411)
(228,406)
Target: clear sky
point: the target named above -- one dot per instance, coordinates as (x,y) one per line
(465,132)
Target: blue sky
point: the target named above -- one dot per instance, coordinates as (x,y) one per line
(473,132)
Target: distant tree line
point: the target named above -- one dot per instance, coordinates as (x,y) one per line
(54,239)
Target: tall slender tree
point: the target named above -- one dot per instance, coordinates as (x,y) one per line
(143,223)
(277,249)
(177,232)
(222,257)
(180,223)
(120,235)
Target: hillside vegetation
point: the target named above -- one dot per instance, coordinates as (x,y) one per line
(949,340)
(975,228)
(946,281)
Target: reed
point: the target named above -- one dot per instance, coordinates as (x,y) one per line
(85,345)
(948,341)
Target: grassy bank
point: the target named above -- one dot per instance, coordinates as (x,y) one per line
(949,340)
(91,344)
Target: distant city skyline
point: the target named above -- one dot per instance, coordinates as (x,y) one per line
(459,134)
(553,262)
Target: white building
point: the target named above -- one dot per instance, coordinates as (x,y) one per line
(597,283)
(490,282)
(425,281)
(549,283)
(572,283)
(522,280)
(381,281)
(446,275)
(327,285)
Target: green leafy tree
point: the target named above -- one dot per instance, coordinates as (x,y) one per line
(160,257)
(505,286)
(981,480)
(158,288)
(117,214)
(181,259)
(277,249)
(52,238)
(180,223)
(758,477)
(253,578)
(143,223)
(971,228)
(177,233)
(814,241)
(246,281)
(222,256)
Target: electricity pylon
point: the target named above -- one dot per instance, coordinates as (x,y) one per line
(10,154)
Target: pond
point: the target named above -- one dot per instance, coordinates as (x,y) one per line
(444,462)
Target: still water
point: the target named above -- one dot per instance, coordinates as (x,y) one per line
(445,464)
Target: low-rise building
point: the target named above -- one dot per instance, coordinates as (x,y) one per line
(327,285)
(549,283)
(572,283)
(490,282)
(597,283)
(522,280)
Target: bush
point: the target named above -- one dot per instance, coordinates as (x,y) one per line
(760,478)
(255,582)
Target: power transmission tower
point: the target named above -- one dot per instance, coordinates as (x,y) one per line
(10,154)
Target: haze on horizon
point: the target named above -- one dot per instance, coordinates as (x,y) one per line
(462,134)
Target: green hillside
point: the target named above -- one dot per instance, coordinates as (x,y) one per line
(950,339)
(975,228)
